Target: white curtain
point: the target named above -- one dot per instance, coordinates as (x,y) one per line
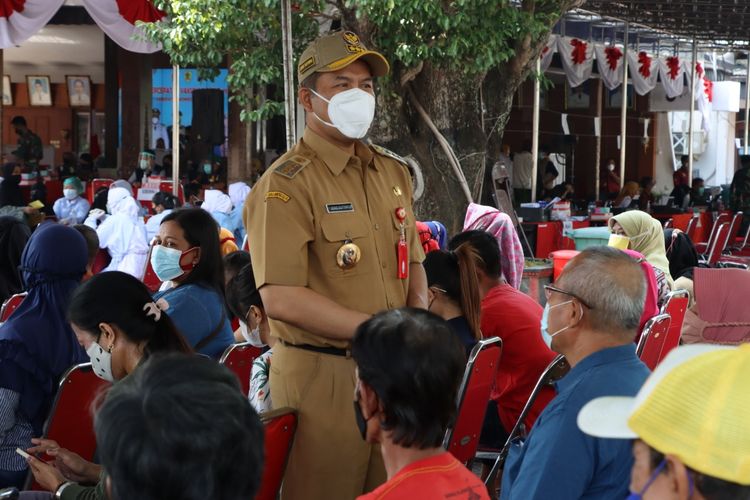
(672,73)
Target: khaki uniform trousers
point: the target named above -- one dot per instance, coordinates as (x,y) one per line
(328,460)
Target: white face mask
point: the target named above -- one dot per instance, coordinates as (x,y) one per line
(70,194)
(252,336)
(101,362)
(154,120)
(611,167)
(351,112)
(143,164)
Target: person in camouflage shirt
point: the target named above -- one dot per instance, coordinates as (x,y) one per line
(29,149)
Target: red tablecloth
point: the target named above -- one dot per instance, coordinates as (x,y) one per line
(549,237)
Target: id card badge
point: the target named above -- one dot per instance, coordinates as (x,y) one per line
(402,250)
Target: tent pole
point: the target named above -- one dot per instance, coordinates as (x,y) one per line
(624,107)
(176,130)
(693,75)
(535,130)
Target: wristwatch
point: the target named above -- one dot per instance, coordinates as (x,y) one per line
(60,489)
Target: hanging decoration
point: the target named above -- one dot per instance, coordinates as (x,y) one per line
(610,61)
(118,19)
(22,19)
(672,74)
(547,52)
(577,58)
(644,72)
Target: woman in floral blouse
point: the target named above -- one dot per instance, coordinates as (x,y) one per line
(244,302)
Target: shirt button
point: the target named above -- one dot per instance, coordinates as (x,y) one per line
(385,265)
(377,227)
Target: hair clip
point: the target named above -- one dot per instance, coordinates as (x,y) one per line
(152,310)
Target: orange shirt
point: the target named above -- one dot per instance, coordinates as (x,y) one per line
(441,476)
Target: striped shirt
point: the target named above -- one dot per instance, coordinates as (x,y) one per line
(15,431)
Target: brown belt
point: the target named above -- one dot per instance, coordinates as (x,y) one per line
(333,351)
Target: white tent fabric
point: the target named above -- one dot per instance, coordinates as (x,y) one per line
(609,60)
(672,74)
(548,51)
(644,71)
(577,58)
(21,20)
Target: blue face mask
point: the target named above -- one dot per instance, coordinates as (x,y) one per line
(166,262)
(207,169)
(546,336)
(652,478)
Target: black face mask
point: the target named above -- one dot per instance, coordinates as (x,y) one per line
(361,420)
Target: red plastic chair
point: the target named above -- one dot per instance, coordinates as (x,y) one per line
(717,246)
(95,185)
(239,359)
(150,279)
(692,226)
(720,219)
(280,426)
(669,223)
(101,261)
(71,421)
(557,369)
(734,229)
(654,339)
(675,306)
(462,438)
(10,305)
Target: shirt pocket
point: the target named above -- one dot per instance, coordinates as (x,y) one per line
(339,229)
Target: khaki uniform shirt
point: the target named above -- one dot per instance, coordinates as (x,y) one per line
(310,202)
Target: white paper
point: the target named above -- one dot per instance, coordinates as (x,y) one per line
(565,126)
(146,194)
(646,122)
(618,142)
(597,126)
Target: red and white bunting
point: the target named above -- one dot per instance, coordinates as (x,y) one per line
(644,71)
(577,58)
(703,95)
(22,19)
(609,60)
(548,51)
(117,18)
(672,73)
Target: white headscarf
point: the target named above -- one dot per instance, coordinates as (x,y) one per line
(216,201)
(120,201)
(122,183)
(238,191)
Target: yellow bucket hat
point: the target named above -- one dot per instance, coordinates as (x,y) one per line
(338,50)
(695,406)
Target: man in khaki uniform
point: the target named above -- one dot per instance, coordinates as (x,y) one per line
(333,241)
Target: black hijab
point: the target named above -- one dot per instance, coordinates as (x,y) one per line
(13,237)
(681,254)
(10,191)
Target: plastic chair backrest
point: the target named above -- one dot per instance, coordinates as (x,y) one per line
(239,359)
(71,421)
(669,223)
(280,426)
(462,438)
(653,340)
(692,226)
(10,305)
(734,228)
(675,306)
(168,186)
(718,245)
(95,185)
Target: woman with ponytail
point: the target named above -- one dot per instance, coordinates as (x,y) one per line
(119,326)
(453,291)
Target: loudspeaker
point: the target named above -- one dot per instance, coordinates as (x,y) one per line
(208,116)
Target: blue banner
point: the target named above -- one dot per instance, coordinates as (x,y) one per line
(162,92)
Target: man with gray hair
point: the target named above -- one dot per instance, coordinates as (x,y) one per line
(591,317)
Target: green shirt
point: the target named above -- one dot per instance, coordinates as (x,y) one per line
(29,148)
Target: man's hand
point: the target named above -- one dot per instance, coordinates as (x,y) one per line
(69,464)
(45,474)
(30,211)
(42,446)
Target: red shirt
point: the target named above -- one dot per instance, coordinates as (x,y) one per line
(680,177)
(441,476)
(515,318)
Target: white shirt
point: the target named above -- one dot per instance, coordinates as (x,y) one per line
(152,225)
(522,170)
(159,131)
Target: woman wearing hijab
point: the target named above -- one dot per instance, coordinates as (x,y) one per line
(13,237)
(645,236)
(123,234)
(71,209)
(219,205)
(238,192)
(36,343)
(10,190)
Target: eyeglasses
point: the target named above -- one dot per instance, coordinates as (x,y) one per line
(437,289)
(548,289)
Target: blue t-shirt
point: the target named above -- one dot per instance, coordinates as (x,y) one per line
(196,312)
(559,461)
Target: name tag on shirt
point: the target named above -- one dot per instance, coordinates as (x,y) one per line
(339,208)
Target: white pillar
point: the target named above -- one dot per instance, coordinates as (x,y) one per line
(624,108)
(176,130)
(535,130)
(693,77)
(598,161)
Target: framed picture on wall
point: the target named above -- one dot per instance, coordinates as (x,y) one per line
(7,94)
(614,97)
(79,90)
(40,90)
(578,97)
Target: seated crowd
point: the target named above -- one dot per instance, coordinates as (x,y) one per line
(146,343)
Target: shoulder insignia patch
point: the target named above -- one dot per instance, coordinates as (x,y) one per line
(292,166)
(390,154)
(278,195)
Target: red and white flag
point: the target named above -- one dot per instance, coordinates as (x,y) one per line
(644,71)
(672,73)
(577,59)
(22,19)
(548,51)
(118,18)
(609,60)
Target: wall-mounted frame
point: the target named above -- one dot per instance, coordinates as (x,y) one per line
(40,90)
(79,90)
(7,91)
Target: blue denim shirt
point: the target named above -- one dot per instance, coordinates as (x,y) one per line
(557,460)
